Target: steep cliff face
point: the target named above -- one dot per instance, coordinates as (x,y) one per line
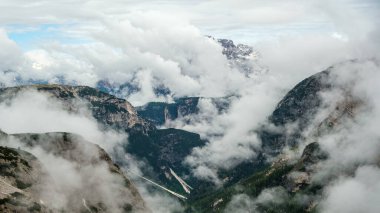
(297,108)
(65,173)
(160,112)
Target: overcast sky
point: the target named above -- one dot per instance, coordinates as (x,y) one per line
(162,42)
(246,21)
(151,44)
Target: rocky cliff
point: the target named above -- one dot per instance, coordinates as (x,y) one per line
(64,174)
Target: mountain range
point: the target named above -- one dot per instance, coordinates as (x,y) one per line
(26,174)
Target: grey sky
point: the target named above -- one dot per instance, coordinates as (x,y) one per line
(247,21)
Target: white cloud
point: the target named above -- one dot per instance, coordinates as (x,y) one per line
(11,54)
(37,112)
(353,145)
(66,183)
(232,140)
(144,47)
(160,43)
(34,112)
(174,52)
(355,194)
(67,177)
(242,203)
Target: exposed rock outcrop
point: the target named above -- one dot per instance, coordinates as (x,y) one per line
(90,180)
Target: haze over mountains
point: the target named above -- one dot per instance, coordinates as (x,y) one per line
(240,57)
(295,145)
(130,106)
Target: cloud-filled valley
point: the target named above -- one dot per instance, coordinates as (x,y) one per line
(160,87)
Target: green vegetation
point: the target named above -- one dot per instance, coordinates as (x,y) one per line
(252,186)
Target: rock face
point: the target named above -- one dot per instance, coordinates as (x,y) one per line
(90,182)
(242,57)
(107,109)
(300,176)
(159,112)
(232,51)
(302,101)
(20,172)
(297,107)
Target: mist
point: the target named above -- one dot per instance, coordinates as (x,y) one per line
(153,45)
(30,111)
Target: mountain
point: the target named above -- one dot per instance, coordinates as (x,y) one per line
(241,57)
(20,170)
(107,109)
(160,149)
(291,177)
(277,175)
(64,174)
(163,150)
(298,106)
(160,113)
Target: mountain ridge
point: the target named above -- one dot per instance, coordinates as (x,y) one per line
(72,149)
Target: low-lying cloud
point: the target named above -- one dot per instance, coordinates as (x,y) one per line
(30,111)
(148,50)
(359,193)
